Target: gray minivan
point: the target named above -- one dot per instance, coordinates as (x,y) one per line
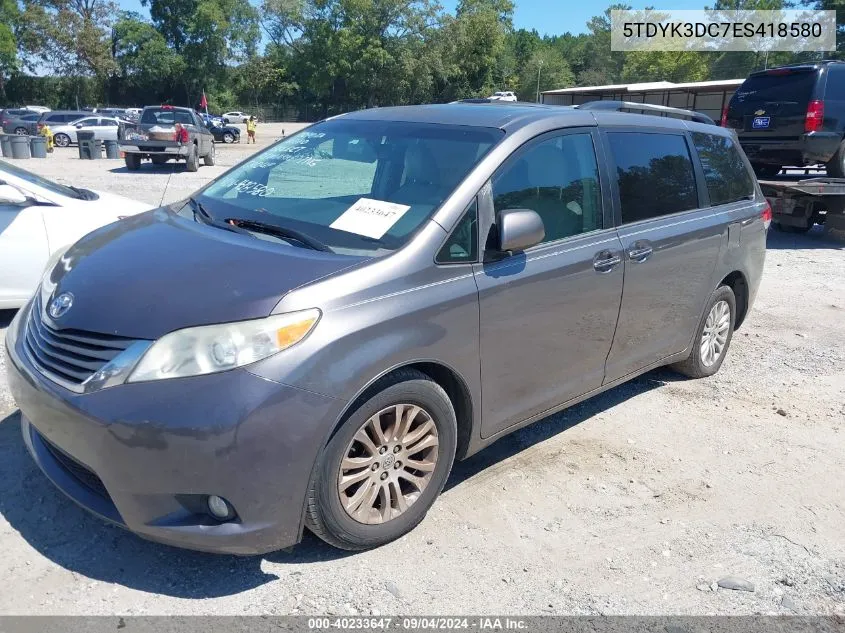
(315,336)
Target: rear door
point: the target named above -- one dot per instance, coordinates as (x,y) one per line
(773,104)
(548,314)
(671,246)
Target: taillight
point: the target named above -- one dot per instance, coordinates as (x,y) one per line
(815,116)
(766,216)
(725,116)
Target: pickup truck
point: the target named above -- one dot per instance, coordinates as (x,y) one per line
(154,137)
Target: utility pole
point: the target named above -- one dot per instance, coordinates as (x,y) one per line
(539,67)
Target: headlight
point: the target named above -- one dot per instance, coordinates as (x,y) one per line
(211,348)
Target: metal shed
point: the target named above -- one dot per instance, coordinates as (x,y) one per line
(708,97)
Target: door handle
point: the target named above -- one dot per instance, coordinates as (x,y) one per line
(605,261)
(640,252)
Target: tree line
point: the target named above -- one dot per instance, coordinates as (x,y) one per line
(313,58)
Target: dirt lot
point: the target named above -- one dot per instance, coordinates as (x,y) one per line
(635,502)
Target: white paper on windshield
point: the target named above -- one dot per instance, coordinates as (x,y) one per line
(370,218)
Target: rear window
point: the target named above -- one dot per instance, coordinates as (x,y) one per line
(725,173)
(161,116)
(655,174)
(792,89)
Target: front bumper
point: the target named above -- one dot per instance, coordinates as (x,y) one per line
(807,149)
(140,455)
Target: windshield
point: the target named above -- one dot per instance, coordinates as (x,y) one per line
(54,187)
(356,186)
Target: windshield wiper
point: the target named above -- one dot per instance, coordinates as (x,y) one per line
(84,194)
(285,233)
(205,217)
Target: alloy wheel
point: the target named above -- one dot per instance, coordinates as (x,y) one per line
(228,138)
(388,464)
(715,333)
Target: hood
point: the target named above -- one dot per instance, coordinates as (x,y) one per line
(157,272)
(122,205)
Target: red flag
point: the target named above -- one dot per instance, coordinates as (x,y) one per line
(204,101)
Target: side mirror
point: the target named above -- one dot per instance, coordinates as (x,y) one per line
(519,229)
(10,194)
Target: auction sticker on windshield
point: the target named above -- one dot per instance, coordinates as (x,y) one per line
(370,218)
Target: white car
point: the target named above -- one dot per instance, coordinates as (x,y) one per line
(39,109)
(235,117)
(40,218)
(134,111)
(104,128)
(502,96)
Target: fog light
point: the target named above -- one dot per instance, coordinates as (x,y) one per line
(219,508)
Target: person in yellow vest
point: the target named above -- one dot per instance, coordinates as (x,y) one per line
(46,132)
(250,129)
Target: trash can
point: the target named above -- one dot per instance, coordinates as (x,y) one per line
(81,138)
(112,149)
(6,145)
(91,148)
(38,146)
(20,147)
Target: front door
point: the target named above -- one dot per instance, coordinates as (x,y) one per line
(547,315)
(671,248)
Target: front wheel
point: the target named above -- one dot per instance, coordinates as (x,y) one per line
(713,336)
(21,131)
(62,140)
(384,467)
(228,137)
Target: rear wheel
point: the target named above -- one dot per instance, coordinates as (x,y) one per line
(21,131)
(192,163)
(836,165)
(208,159)
(385,466)
(713,336)
(133,162)
(62,140)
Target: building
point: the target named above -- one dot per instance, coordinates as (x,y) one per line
(707,97)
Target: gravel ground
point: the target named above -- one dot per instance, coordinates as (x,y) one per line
(638,501)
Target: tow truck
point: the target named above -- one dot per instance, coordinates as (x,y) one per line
(799,203)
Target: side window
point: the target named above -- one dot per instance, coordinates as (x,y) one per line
(835,89)
(462,245)
(725,173)
(655,174)
(559,179)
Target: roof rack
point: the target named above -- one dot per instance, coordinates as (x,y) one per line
(646,108)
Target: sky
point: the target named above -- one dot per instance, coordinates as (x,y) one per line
(548,17)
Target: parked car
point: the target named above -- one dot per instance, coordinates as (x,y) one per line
(37,108)
(329,372)
(503,96)
(235,117)
(103,128)
(19,123)
(57,117)
(791,115)
(154,138)
(224,133)
(38,218)
(211,118)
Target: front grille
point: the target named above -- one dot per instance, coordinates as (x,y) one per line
(77,470)
(72,356)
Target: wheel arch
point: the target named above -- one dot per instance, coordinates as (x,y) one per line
(445,376)
(737,282)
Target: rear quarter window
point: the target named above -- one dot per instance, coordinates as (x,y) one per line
(725,173)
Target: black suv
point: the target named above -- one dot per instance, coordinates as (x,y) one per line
(792,115)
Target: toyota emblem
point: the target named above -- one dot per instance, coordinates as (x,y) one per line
(60,305)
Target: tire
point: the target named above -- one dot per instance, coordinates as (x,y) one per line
(159,160)
(327,517)
(766,171)
(21,131)
(696,365)
(192,163)
(228,137)
(836,165)
(226,121)
(208,159)
(133,162)
(61,140)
